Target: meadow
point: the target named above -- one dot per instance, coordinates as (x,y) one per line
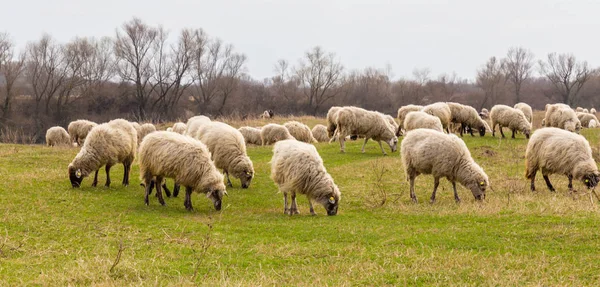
(54,235)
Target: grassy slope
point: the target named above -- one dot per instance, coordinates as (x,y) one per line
(51,234)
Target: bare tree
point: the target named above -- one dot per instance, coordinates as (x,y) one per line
(566,75)
(491,79)
(320,76)
(134,51)
(517,68)
(444,87)
(283,82)
(10,70)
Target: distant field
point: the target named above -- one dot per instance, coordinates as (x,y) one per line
(53,235)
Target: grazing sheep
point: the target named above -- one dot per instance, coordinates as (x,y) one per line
(144,130)
(357,121)
(593,124)
(228,149)
(579,109)
(592,111)
(79,129)
(272,133)
(106,144)
(585,119)
(184,159)
(319,132)
(563,117)
(527,111)
(179,128)
(300,131)
(251,135)
(505,116)
(392,122)
(296,167)
(170,129)
(402,112)
(467,116)
(331,119)
(586,111)
(58,136)
(422,120)
(267,114)
(426,151)
(442,111)
(194,124)
(484,114)
(556,151)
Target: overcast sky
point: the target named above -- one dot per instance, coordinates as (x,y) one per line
(445,36)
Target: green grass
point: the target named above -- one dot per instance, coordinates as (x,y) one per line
(53,235)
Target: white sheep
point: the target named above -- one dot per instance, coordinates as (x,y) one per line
(296,167)
(79,129)
(585,119)
(442,111)
(527,111)
(194,123)
(184,159)
(371,125)
(179,128)
(228,149)
(467,117)
(319,132)
(144,130)
(106,145)
(563,117)
(593,124)
(402,112)
(421,120)
(58,136)
(300,131)
(579,109)
(272,133)
(592,111)
(267,114)
(251,135)
(484,114)
(426,151)
(556,151)
(514,119)
(170,129)
(331,119)
(586,111)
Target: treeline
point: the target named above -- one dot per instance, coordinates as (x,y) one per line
(143,73)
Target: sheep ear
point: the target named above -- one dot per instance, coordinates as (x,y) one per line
(78,173)
(225,193)
(332,200)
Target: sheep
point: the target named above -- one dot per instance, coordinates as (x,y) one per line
(186,160)
(585,119)
(514,119)
(272,133)
(296,167)
(319,132)
(586,111)
(179,127)
(79,129)
(442,111)
(484,114)
(228,149)
(402,112)
(593,124)
(557,151)
(563,117)
(58,136)
(467,116)
(392,122)
(106,144)
(579,109)
(144,130)
(418,119)
(592,111)
(300,131)
(251,135)
(170,129)
(194,123)
(527,111)
(426,151)
(267,114)
(357,121)
(331,118)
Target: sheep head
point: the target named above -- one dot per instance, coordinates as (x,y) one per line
(76,176)
(591,180)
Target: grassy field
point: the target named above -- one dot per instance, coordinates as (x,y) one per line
(53,235)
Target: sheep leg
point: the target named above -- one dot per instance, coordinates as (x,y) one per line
(501,132)
(167,191)
(436,183)
(188,199)
(149,185)
(493,129)
(471,131)
(294,207)
(462,128)
(455,192)
(550,187)
(95,182)
(382,150)
(570,183)
(513,134)
(127,169)
(175,189)
(159,190)
(342,140)
(285,204)
(228,181)
(364,144)
(312,210)
(412,189)
(107,168)
(533,180)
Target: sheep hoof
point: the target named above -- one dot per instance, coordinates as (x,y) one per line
(94,184)
(414,200)
(286,211)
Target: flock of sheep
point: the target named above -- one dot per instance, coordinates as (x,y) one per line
(202,153)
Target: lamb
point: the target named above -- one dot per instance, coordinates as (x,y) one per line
(79,129)
(527,111)
(251,135)
(402,112)
(272,133)
(417,120)
(331,119)
(57,136)
(556,151)
(592,111)
(228,149)
(106,144)
(194,124)
(505,116)
(186,160)
(442,111)
(357,121)
(563,117)
(585,119)
(319,132)
(144,130)
(300,131)
(467,116)
(179,128)
(593,124)
(426,151)
(296,167)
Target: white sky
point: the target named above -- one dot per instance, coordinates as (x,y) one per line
(444,36)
